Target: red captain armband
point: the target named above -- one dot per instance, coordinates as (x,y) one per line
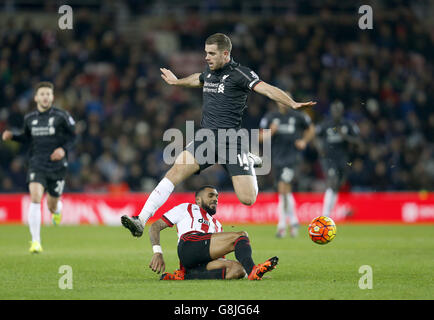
(168,222)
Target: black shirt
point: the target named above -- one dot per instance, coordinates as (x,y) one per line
(335,147)
(225,94)
(291,126)
(45,132)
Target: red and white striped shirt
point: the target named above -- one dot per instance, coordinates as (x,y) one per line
(190,217)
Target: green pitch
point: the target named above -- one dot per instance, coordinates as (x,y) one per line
(108,263)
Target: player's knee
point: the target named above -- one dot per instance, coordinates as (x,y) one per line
(283,188)
(36,197)
(333,184)
(247,199)
(242,234)
(238,236)
(180,172)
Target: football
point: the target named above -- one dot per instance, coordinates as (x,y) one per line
(322,230)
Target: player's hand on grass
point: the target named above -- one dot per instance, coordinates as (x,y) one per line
(57,154)
(298,105)
(168,76)
(157,263)
(7,135)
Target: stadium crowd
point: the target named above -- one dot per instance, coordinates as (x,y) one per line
(112,88)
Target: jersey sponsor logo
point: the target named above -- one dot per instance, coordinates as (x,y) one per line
(43,131)
(213,87)
(201,220)
(288,128)
(333,136)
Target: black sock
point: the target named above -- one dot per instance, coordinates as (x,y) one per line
(243,253)
(202,273)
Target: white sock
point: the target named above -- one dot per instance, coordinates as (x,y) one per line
(34,220)
(330,199)
(293,220)
(59,207)
(256,181)
(156,199)
(283,205)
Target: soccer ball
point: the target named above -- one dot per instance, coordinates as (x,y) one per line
(322,230)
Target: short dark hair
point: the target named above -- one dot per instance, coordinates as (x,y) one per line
(221,40)
(44,84)
(203,188)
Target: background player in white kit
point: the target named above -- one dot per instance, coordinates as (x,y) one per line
(202,245)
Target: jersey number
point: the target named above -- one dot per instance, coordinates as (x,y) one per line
(60,184)
(244,161)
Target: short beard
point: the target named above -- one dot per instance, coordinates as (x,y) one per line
(210,211)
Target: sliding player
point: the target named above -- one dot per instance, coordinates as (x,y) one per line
(202,244)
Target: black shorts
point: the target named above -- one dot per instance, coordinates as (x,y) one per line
(337,169)
(53,182)
(232,154)
(285,173)
(193,249)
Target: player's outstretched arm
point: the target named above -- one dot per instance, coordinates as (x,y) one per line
(279,95)
(308,136)
(157,262)
(191,81)
(22,136)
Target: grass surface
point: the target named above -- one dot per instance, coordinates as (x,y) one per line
(108,263)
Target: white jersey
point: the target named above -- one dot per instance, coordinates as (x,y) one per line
(190,217)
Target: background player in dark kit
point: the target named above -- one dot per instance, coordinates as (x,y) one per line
(49,133)
(290,132)
(226,85)
(335,137)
